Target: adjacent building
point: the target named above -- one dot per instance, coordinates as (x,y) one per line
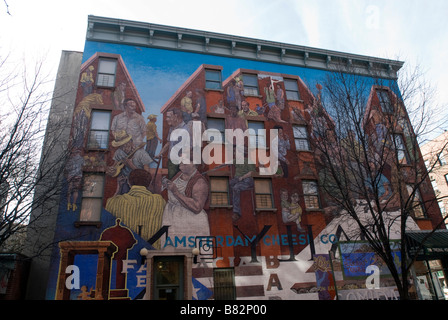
(135,224)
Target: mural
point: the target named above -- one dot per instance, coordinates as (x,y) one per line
(124,193)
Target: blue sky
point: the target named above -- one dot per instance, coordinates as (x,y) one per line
(414,31)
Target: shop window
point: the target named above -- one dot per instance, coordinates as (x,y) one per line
(263,194)
(301,138)
(385,102)
(417,203)
(250,85)
(106,73)
(219,191)
(292,89)
(213,79)
(92,198)
(99,130)
(257,138)
(224,284)
(311,194)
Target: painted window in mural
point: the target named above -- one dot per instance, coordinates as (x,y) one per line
(250,84)
(106,72)
(219,191)
(310,194)
(301,138)
(291,89)
(99,130)
(92,197)
(263,194)
(213,79)
(224,284)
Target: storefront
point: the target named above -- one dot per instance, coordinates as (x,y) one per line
(431,266)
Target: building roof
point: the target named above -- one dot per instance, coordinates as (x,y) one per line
(173,38)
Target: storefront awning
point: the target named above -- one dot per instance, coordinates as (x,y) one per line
(429,244)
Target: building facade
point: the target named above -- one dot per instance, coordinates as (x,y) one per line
(434,155)
(135,223)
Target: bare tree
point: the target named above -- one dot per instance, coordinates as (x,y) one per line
(371,170)
(29,173)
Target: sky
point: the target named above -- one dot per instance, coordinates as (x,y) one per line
(413,31)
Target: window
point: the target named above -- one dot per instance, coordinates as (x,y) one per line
(257,138)
(214,124)
(99,130)
(446,178)
(292,89)
(224,284)
(310,194)
(434,184)
(442,208)
(106,72)
(417,203)
(219,191)
(441,158)
(402,153)
(301,138)
(250,84)
(92,197)
(263,194)
(385,103)
(213,79)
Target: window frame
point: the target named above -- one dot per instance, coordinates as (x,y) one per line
(306,139)
(208,80)
(249,89)
(227,192)
(314,195)
(223,132)
(100,198)
(417,202)
(100,74)
(404,149)
(272,208)
(288,91)
(91,129)
(257,138)
(386,106)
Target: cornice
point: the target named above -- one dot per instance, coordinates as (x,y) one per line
(173,38)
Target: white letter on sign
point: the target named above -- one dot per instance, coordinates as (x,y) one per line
(373,280)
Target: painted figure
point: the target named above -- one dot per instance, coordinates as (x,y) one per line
(87,81)
(73,172)
(127,158)
(152,137)
(175,121)
(131,122)
(81,118)
(187,196)
(139,209)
